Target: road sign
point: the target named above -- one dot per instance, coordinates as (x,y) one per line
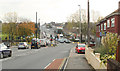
(100,33)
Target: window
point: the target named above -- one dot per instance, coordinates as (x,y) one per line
(108,23)
(113,22)
(101,27)
(81,45)
(104,26)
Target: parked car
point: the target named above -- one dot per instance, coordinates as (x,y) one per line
(35,44)
(92,43)
(61,40)
(5,51)
(7,44)
(48,42)
(42,42)
(77,40)
(67,41)
(80,48)
(23,45)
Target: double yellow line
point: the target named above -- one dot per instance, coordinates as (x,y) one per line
(61,65)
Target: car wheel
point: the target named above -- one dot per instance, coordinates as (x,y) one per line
(1,56)
(10,54)
(75,51)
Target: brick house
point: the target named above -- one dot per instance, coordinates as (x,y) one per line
(110,23)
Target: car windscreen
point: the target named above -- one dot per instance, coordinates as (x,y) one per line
(21,43)
(33,41)
(81,45)
(0,46)
(92,42)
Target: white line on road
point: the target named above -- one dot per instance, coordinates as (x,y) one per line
(49,64)
(67,60)
(4,59)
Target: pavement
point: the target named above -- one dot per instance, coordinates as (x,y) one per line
(77,62)
(73,62)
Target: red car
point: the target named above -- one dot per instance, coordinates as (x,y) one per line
(80,48)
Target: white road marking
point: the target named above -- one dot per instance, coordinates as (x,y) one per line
(49,64)
(4,59)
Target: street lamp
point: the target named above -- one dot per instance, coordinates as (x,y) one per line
(36,28)
(39,28)
(80,25)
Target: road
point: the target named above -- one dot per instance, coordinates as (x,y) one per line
(48,30)
(36,58)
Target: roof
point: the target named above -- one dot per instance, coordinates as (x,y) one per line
(116,12)
(81,44)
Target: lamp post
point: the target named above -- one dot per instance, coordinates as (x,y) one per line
(36,28)
(80,25)
(39,28)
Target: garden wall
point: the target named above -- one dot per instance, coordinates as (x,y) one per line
(94,59)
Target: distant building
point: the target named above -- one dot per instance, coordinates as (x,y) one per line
(110,23)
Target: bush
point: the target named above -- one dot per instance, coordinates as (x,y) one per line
(101,50)
(108,47)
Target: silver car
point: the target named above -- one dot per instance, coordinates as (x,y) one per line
(5,51)
(23,45)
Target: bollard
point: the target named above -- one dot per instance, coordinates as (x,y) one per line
(51,44)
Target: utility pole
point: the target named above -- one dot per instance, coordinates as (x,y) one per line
(88,32)
(39,28)
(36,28)
(80,25)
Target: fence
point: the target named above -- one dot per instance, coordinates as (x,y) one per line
(94,59)
(113,65)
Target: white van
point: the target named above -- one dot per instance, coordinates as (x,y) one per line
(42,42)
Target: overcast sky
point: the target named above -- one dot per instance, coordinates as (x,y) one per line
(54,10)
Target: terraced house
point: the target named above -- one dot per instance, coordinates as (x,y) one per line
(110,23)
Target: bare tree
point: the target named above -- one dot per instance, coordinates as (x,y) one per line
(22,19)
(11,17)
(95,15)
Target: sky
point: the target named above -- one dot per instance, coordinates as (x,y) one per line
(54,10)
